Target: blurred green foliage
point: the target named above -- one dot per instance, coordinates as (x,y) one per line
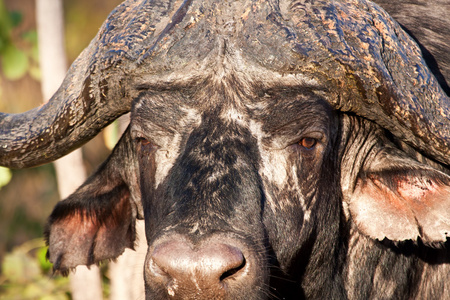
(15,61)
(5,176)
(27,198)
(26,274)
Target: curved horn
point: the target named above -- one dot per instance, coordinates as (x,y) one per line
(73,115)
(91,96)
(373,69)
(97,89)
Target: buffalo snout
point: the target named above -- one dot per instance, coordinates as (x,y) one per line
(216,268)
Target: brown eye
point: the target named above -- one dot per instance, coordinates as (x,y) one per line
(143,142)
(308,143)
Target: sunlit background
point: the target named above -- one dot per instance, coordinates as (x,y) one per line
(27,196)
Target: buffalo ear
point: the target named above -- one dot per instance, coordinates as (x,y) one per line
(398,198)
(97,221)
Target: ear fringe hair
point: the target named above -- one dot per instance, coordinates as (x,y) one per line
(432,253)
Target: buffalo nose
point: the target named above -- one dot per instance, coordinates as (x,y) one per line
(206,270)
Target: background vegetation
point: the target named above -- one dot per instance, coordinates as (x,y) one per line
(28,196)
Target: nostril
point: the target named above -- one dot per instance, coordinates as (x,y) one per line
(180,266)
(229,273)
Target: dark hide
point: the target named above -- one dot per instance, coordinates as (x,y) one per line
(297,151)
(312,247)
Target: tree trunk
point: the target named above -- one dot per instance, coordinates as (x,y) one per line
(126,273)
(85,284)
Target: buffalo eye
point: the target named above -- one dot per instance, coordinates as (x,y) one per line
(308,143)
(143,141)
(143,144)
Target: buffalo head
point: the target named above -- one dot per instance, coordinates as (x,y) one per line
(274,146)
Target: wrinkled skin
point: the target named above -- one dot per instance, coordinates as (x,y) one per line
(427,23)
(271,164)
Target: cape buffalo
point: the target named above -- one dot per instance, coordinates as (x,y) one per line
(276,149)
